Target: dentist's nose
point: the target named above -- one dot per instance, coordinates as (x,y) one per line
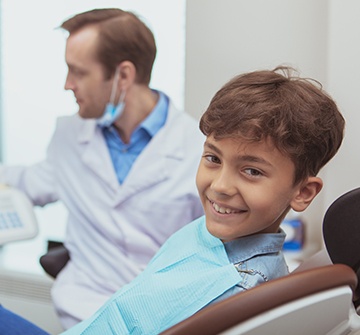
(69,83)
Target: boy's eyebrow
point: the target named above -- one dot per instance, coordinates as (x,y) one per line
(247,158)
(213,147)
(254,159)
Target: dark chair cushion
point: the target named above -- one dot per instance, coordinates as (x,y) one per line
(341,231)
(54,260)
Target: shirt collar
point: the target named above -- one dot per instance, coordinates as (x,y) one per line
(156,119)
(247,247)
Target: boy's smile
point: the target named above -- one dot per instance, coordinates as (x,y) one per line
(245,188)
(223,210)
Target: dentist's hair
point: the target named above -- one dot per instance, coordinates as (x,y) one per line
(122,36)
(295,114)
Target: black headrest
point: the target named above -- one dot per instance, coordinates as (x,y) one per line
(341,230)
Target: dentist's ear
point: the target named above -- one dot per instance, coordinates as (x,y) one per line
(127,74)
(306,193)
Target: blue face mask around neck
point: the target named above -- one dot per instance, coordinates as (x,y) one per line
(112,111)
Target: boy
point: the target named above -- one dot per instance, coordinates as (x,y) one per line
(268,135)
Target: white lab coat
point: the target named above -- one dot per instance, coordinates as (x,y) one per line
(113,230)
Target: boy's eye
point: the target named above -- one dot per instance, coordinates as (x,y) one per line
(253,172)
(212,159)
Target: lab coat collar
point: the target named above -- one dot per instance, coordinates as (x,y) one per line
(158,160)
(95,154)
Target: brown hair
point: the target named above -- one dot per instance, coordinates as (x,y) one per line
(298,116)
(122,36)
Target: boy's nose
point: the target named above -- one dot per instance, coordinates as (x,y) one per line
(223,183)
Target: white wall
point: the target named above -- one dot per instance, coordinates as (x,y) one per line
(344,85)
(225,38)
(320,38)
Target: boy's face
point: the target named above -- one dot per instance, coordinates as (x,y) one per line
(245,188)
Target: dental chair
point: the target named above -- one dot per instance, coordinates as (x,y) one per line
(341,231)
(55,258)
(314,302)
(320,297)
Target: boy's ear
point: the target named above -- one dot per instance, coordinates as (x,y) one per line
(306,193)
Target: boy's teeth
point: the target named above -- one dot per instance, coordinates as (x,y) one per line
(221,210)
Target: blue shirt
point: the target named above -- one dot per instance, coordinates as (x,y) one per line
(123,155)
(258,258)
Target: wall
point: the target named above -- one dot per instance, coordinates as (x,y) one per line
(316,37)
(344,85)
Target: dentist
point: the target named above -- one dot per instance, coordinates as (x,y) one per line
(124,165)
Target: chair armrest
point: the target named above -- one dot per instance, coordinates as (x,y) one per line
(54,260)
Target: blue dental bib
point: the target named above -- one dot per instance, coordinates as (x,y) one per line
(189,271)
